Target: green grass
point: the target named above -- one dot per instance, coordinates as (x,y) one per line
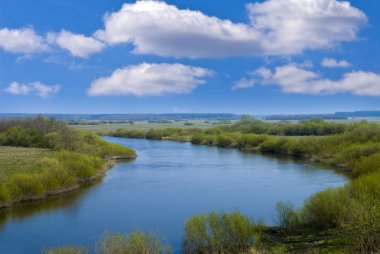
(40,158)
(144,125)
(20,159)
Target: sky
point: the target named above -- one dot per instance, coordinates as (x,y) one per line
(177,56)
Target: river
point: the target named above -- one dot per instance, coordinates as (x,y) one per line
(167,183)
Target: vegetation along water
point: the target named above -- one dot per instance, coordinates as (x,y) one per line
(334,220)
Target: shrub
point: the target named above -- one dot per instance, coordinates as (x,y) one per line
(209,140)
(325,209)
(197,139)
(23,186)
(269,146)
(134,243)
(219,233)
(80,164)
(367,164)
(287,218)
(54,176)
(224,141)
(251,140)
(366,188)
(67,250)
(362,228)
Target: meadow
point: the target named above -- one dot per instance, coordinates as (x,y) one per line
(42,157)
(101,128)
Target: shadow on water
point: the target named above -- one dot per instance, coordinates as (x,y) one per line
(284,159)
(66,201)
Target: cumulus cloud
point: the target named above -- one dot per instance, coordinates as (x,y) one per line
(38,88)
(276,27)
(293,79)
(23,40)
(333,63)
(155,27)
(291,26)
(150,80)
(77,44)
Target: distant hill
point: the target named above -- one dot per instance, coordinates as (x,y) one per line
(359,114)
(192,116)
(129,117)
(335,116)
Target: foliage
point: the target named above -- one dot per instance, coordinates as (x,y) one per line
(57,159)
(67,250)
(324,209)
(219,233)
(287,218)
(134,243)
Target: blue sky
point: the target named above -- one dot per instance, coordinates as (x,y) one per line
(257,57)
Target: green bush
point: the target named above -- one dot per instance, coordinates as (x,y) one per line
(24,186)
(219,233)
(80,164)
(54,176)
(325,209)
(288,219)
(367,164)
(67,250)
(224,141)
(197,139)
(366,188)
(247,141)
(134,243)
(269,146)
(5,196)
(361,226)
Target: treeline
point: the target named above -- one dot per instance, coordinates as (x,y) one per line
(312,127)
(75,157)
(176,134)
(247,125)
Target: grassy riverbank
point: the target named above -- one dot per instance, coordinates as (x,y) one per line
(348,217)
(42,157)
(100,127)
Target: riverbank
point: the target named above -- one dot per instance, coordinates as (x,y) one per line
(42,175)
(41,158)
(352,211)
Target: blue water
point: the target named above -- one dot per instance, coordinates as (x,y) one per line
(168,183)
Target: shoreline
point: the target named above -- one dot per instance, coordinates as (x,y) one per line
(308,159)
(109,164)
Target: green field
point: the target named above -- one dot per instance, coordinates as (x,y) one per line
(20,159)
(145,125)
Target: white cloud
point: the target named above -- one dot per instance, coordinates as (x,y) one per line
(244,83)
(293,79)
(38,88)
(155,27)
(150,80)
(333,63)
(23,40)
(18,89)
(278,27)
(291,26)
(77,44)
(43,90)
